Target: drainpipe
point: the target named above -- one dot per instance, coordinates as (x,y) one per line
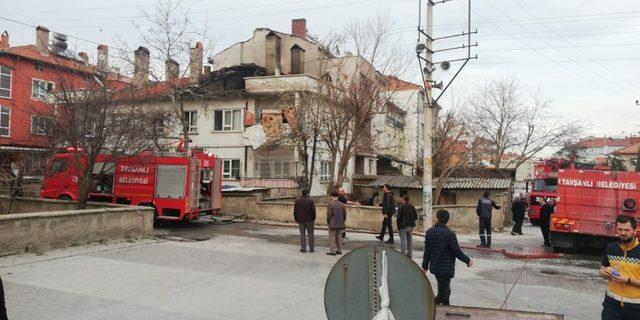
(246,151)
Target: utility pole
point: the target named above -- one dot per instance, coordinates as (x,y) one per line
(427,170)
(431,104)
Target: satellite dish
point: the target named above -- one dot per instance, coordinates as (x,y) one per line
(445,65)
(352,290)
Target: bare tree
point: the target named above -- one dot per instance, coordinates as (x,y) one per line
(96,120)
(499,114)
(354,89)
(171,35)
(302,112)
(450,149)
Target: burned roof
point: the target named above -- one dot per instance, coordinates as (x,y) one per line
(453,183)
(231,78)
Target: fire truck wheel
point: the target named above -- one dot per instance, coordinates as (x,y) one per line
(534,222)
(64,197)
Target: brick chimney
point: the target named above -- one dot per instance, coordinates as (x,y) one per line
(171,69)
(299,28)
(141,67)
(42,40)
(103,57)
(84,56)
(195,63)
(4,40)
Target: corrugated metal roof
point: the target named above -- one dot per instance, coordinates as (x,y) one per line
(404,182)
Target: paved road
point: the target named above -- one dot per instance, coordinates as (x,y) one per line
(249,271)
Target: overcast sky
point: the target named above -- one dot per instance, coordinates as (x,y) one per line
(582,54)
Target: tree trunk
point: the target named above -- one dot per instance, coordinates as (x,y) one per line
(84,184)
(332,166)
(313,160)
(304,155)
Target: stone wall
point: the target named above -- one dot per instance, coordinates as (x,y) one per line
(58,225)
(463,217)
(29,205)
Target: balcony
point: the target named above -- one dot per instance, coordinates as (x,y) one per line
(283,83)
(269,182)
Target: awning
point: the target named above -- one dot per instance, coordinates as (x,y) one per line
(394,159)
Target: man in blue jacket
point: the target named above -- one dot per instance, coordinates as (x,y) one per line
(483,210)
(440,252)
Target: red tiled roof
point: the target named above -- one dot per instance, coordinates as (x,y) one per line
(600,142)
(396,84)
(30,52)
(632,149)
(154,90)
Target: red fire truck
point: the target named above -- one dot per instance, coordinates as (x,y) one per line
(179,186)
(545,185)
(589,202)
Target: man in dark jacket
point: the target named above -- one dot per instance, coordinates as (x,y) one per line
(546,211)
(484,212)
(342,197)
(388,209)
(440,252)
(3,309)
(336,211)
(518,207)
(406,220)
(304,212)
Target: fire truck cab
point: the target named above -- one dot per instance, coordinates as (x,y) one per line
(589,201)
(545,185)
(179,186)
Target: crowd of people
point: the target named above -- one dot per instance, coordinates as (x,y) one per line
(441,245)
(620,266)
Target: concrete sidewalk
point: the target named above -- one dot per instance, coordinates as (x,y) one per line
(247,271)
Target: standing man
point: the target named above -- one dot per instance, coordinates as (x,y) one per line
(342,197)
(518,207)
(336,211)
(440,252)
(388,209)
(546,211)
(484,212)
(621,266)
(3,309)
(304,213)
(406,220)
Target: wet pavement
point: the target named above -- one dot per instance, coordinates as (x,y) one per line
(252,271)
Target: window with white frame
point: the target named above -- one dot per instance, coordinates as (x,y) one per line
(372,165)
(5,120)
(191,117)
(41,125)
(40,89)
(325,176)
(5,82)
(227,120)
(231,169)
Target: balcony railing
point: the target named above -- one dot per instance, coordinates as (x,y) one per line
(293,82)
(269,182)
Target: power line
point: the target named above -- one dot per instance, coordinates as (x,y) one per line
(519,39)
(190,13)
(559,61)
(625,81)
(625,116)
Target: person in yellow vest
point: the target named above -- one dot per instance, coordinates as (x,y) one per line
(621,266)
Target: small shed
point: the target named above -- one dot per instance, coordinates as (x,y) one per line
(456,191)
